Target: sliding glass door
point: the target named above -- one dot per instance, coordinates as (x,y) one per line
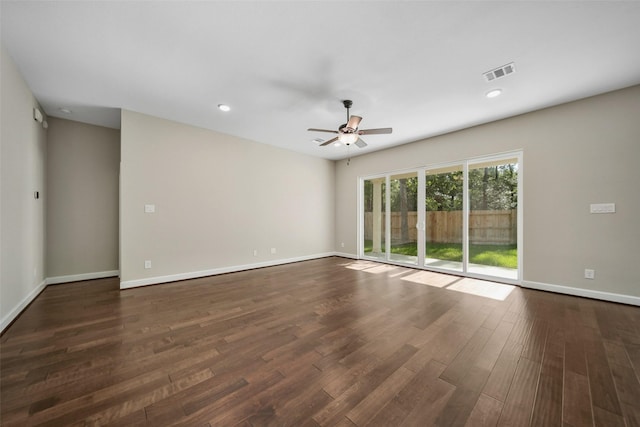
(444,220)
(403,194)
(462,218)
(493,218)
(374,214)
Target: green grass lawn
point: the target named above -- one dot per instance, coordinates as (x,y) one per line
(495,255)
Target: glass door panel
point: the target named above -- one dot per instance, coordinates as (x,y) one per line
(444,219)
(493,218)
(374,218)
(403,193)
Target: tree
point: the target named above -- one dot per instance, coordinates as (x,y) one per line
(494,187)
(444,191)
(404,220)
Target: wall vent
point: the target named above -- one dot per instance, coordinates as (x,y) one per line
(496,73)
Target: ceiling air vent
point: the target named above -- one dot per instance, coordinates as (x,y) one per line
(496,73)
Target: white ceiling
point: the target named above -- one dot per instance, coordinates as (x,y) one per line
(285,66)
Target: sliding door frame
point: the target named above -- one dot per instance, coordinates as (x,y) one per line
(421,216)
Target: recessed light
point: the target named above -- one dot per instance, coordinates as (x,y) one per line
(493,93)
(65,110)
(224,107)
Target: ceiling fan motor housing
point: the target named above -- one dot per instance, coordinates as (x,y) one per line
(345,129)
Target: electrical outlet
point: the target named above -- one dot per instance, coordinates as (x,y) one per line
(255,252)
(589,273)
(273,250)
(342,244)
(147,264)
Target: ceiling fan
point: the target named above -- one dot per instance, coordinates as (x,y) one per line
(349,133)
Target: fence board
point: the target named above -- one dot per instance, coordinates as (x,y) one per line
(485,227)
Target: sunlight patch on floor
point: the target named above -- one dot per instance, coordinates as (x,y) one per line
(361,265)
(381,269)
(377,268)
(430,278)
(482,288)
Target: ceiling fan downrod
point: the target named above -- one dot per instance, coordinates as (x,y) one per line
(347,104)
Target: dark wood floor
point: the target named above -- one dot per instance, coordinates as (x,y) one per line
(324,342)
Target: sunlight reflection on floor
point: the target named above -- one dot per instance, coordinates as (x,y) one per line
(482,288)
(498,291)
(430,278)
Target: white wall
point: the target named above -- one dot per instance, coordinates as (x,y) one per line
(217,198)
(22,230)
(574,154)
(83,163)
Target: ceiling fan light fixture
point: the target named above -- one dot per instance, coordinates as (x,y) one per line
(348,138)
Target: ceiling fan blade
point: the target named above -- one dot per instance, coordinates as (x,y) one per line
(354,121)
(374,131)
(360,143)
(322,130)
(329,141)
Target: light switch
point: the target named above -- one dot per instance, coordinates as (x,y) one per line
(598,208)
(149,208)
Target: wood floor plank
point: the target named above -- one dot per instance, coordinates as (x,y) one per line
(626,381)
(368,407)
(604,418)
(547,409)
(457,370)
(486,412)
(444,347)
(431,405)
(519,403)
(576,408)
(329,341)
(601,384)
(501,376)
(424,385)
(363,387)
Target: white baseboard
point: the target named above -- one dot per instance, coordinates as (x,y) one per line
(80,277)
(215,271)
(6,320)
(345,255)
(580,292)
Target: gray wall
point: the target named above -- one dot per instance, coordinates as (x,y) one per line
(83,163)
(574,154)
(218,198)
(22,227)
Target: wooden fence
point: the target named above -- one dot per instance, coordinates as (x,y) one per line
(485,227)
